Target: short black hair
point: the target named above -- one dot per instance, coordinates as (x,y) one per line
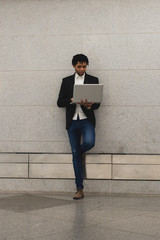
(80,58)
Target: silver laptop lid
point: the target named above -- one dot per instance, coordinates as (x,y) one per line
(91,92)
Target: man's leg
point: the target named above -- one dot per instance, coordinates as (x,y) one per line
(88,133)
(75,139)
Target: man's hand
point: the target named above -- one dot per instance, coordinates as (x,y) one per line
(86,104)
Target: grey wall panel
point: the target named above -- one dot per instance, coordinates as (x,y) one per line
(55,17)
(119,51)
(123,51)
(127,129)
(40,88)
(143,172)
(136,159)
(14,170)
(13,158)
(31,88)
(60,17)
(38,53)
(35,147)
(129,87)
(136,16)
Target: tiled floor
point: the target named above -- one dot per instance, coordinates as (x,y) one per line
(57,216)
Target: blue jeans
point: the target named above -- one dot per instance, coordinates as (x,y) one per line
(85,129)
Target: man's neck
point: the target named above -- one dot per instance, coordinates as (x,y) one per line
(80,75)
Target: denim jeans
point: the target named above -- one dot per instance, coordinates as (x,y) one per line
(85,129)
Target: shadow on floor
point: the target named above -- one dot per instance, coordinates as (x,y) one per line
(30,202)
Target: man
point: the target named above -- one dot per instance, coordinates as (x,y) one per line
(80,118)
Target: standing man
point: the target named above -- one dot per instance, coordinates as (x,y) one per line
(80,118)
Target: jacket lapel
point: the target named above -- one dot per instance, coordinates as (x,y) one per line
(73,79)
(86,78)
(72,83)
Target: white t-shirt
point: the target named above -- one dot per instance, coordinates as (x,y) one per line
(79,111)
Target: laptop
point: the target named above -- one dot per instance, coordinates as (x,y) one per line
(91,92)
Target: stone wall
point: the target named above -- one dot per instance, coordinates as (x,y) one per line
(37,41)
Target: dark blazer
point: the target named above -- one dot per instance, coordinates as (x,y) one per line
(65,95)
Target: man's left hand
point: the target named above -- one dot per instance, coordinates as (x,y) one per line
(86,104)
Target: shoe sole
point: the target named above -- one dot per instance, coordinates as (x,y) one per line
(78,198)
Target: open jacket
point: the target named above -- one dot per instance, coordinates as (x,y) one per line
(66,93)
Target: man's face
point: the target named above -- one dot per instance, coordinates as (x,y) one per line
(80,68)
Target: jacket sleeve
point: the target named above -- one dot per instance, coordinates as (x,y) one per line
(63,100)
(95,106)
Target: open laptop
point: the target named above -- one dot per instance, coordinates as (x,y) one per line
(91,92)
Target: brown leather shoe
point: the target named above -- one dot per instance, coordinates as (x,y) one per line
(79,194)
